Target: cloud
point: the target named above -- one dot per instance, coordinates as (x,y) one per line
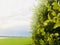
(16,31)
(15,13)
(14,21)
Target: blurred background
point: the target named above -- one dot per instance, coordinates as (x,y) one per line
(15,17)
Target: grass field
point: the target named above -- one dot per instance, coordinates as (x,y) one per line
(15,41)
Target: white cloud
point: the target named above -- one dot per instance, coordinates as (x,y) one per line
(15,13)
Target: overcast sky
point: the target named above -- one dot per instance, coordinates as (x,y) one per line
(15,16)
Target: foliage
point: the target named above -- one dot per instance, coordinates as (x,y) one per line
(46,23)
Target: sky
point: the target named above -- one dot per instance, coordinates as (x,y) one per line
(15,17)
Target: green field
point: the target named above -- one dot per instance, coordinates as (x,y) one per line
(15,41)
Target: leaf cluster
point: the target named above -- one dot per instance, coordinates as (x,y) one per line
(46,23)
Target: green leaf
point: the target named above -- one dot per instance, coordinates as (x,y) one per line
(42,42)
(55,6)
(58,17)
(55,19)
(43,33)
(53,13)
(57,25)
(49,18)
(46,22)
(56,34)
